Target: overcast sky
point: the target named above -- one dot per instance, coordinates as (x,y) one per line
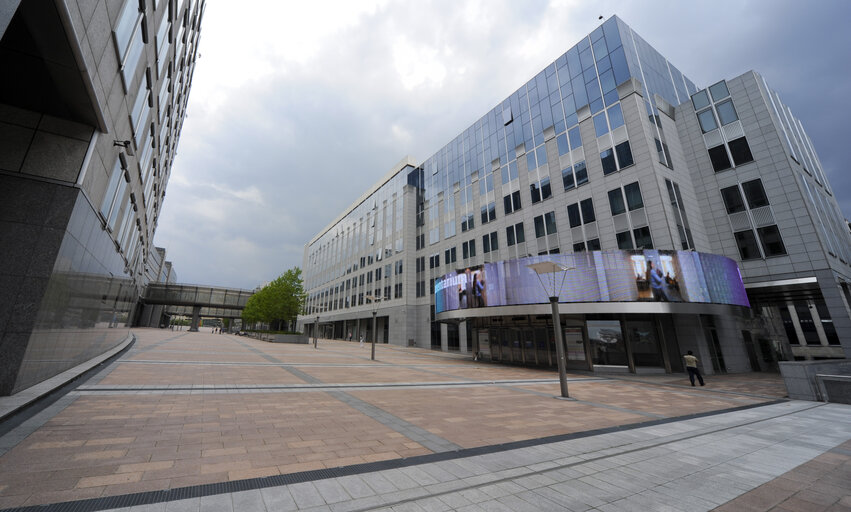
(297,108)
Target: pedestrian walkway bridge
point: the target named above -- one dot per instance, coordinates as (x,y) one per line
(197,301)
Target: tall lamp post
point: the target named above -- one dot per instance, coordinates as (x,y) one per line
(551,267)
(375,300)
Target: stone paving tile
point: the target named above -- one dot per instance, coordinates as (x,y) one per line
(822,484)
(197,374)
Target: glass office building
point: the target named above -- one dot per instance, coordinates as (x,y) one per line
(91,108)
(609,153)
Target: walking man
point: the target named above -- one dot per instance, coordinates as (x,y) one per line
(691,367)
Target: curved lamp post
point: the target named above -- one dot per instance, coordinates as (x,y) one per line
(375,300)
(553,268)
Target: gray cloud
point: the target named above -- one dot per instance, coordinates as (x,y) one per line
(288,125)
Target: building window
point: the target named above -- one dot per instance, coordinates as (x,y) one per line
(467,222)
(740,151)
(541,191)
(540,153)
(624,158)
(726,112)
(746,243)
(719,158)
(488,212)
(754,193)
(624,241)
(574,218)
(489,243)
(594,244)
(624,153)
(545,224)
(616,203)
(587,207)
(633,196)
(642,238)
(608,159)
(514,234)
(509,172)
(772,244)
(707,120)
(732,199)
(574,176)
(449,255)
(512,202)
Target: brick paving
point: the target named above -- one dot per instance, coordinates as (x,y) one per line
(241,408)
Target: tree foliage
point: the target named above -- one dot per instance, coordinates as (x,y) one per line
(278,302)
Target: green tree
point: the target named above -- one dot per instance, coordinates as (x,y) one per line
(277,303)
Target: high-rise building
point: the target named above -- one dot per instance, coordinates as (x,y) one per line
(92,103)
(679,217)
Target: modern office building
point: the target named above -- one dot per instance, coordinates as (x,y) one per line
(92,103)
(680,217)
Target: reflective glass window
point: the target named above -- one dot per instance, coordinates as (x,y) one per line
(567,178)
(700,100)
(772,244)
(581,173)
(536,193)
(732,199)
(594,244)
(642,238)
(546,190)
(575,138)
(519,233)
(746,242)
(587,207)
(741,151)
(726,112)
(615,116)
(541,153)
(755,194)
(563,147)
(624,153)
(573,216)
(550,222)
(616,202)
(111,187)
(579,247)
(608,159)
(624,240)
(126,24)
(719,158)
(539,226)
(600,124)
(633,196)
(719,91)
(707,120)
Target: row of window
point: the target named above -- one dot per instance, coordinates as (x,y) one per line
(769,237)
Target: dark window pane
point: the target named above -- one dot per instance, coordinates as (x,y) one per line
(624,154)
(515,198)
(616,202)
(720,160)
(536,194)
(624,241)
(789,325)
(642,238)
(567,178)
(573,215)
(633,196)
(733,199)
(546,190)
(827,323)
(509,235)
(579,247)
(741,151)
(506,202)
(587,207)
(747,245)
(550,221)
(755,194)
(519,233)
(581,173)
(494,242)
(539,226)
(608,159)
(772,244)
(486,244)
(594,244)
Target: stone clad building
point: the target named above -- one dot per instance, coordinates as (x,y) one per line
(613,164)
(92,104)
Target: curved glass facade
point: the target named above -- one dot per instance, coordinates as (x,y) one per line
(596,276)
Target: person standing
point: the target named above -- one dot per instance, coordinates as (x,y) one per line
(691,367)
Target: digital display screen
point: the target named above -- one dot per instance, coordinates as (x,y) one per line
(596,276)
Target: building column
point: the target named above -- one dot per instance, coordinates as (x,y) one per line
(196,319)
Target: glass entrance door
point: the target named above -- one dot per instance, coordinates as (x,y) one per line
(644,344)
(607,343)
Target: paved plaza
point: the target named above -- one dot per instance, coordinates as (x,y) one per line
(200,421)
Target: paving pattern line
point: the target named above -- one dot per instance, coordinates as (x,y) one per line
(685,388)
(422,436)
(609,452)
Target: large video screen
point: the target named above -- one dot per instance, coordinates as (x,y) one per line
(596,276)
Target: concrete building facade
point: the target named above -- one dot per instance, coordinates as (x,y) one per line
(609,154)
(91,109)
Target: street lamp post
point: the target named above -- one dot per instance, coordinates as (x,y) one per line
(316,332)
(551,267)
(374,301)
